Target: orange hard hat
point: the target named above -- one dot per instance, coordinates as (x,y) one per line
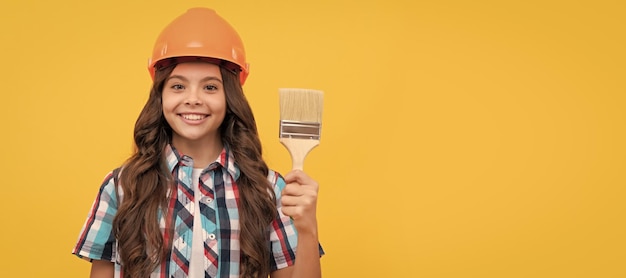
(202,34)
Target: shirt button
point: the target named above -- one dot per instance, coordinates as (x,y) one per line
(211,236)
(206,200)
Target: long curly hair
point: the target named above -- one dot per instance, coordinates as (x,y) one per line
(145,181)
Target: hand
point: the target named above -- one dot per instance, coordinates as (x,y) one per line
(299,201)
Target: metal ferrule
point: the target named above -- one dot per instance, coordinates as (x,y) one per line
(300,130)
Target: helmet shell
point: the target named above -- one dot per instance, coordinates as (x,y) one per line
(200,33)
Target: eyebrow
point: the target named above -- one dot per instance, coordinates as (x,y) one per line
(208,78)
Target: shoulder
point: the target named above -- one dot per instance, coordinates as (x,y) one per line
(110,185)
(276,179)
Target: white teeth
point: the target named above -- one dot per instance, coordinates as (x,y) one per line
(193,117)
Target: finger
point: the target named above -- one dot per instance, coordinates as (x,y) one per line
(293,189)
(298,176)
(289,201)
(307,201)
(294,212)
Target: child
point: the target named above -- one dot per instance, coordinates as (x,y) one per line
(196,199)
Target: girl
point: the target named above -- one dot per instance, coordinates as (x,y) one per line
(196,199)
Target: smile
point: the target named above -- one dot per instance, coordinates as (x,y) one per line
(193,117)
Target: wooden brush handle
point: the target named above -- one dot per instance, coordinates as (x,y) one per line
(299,148)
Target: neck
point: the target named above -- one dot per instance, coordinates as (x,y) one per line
(203,152)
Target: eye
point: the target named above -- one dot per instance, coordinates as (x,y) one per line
(210,87)
(177,87)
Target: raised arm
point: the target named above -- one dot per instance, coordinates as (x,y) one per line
(299,201)
(101,269)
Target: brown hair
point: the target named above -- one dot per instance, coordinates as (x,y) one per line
(145,179)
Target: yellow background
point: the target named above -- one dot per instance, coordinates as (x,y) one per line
(460,138)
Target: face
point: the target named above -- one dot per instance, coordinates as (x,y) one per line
(194,102)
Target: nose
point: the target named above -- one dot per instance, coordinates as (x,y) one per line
(193,97)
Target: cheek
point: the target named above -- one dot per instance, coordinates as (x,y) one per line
(168,103)
(218,104)
(168,107)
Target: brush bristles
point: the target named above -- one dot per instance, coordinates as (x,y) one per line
(301,105)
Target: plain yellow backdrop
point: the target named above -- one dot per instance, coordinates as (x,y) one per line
(460,138)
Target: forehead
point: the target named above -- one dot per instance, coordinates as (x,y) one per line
(196,69)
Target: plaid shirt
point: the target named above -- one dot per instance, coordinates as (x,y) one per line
(220,221)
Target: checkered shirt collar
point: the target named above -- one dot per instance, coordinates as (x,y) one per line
(225,159)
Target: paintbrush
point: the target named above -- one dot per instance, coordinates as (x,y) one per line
(300,122)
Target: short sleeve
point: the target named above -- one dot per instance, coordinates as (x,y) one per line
(283,234)
(96,240)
